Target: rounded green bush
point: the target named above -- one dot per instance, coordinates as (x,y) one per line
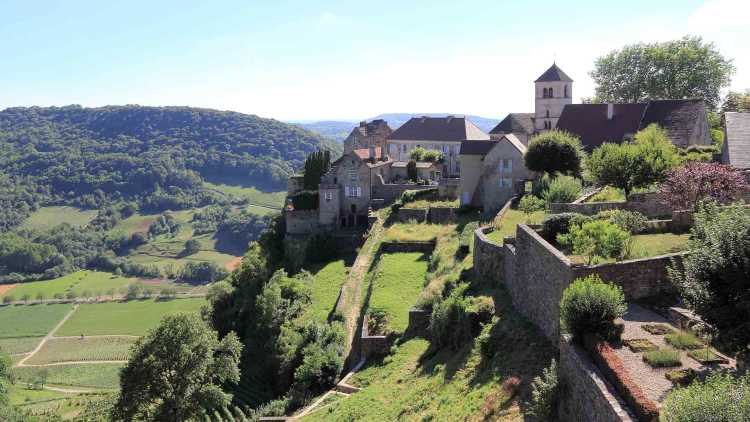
(590,305)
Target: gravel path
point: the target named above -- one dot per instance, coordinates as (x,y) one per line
(49,335)
(651,380)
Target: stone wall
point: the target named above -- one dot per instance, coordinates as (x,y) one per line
(372,346)
(441,215)
(584,394)
(536,274)
(648,204)
(417,214)
(390,192)
(639,278)
(301,221)
(488,256)
(448,188)
(419,322)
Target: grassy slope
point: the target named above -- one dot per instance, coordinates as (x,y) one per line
(104,375)
(30,320)
(134,317)
(78,282)
(418,384)
(87,349)
(507,225)
(397,281)
(19,344)
(254,196)
(47,217)
(325,289)
(402,232)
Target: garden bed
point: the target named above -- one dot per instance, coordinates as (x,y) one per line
(647,246)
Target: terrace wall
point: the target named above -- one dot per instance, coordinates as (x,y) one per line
(389,192)
(417,214)
(488,256)
(301,221)
(441,215)
(407,246)
(585,394)
(648,204)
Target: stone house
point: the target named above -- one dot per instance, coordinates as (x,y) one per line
(736,148)
(686,121)
(443,134)
(426,170)
(367,134)
(492,172)
(346,190)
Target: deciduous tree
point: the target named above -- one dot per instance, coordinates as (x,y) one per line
(684,68)
(554,152)
(176,371)
(685,186)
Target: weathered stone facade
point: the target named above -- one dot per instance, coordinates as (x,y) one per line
(488,256)
(585,395)
(301,221)
(366,135)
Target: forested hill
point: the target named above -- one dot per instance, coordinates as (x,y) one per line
(155,155)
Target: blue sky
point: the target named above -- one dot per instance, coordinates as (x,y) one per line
(333,60)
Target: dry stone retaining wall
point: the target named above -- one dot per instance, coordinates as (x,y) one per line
(417,214)
(648,204)
(584,393)
(488,256)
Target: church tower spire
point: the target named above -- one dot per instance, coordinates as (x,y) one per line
(553,91)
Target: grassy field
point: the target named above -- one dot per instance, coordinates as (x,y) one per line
(135,317)
(96,283)
(231,186)
(87,349)
(325,289)
(102,375)
(506,226)
(30,320)
(47,217)
(19,344)
(649,245)
(402,232)
(397,281)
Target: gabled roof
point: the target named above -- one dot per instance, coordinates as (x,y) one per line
(515,123)
(477,147)
(678,117)
(484,147)
(736,150)
(440,129)
(554,74)
(589,122)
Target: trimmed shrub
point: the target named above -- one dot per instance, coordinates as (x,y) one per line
(720,397)
(544,394)
(590,305)
(631,221)
(662,358)
(555,224)
(562,189)
(554,152)
(597,239)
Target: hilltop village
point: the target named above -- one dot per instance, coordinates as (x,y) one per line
(479,169)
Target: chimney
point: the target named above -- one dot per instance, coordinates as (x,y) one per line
(610,111)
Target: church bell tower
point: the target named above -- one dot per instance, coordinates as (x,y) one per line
(553,90)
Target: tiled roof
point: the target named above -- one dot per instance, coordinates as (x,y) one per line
(678,117)
(554,74)
(515,123)
(589,122)
(515,142)
(737,141)
(440,129)
(364,153)
(476,147)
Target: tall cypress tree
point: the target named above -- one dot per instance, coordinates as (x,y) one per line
(316,165)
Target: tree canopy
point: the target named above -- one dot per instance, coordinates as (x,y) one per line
(635,164)
(554,152)
(737,101)
(684,68)
(176,372)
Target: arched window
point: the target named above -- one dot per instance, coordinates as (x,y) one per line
(566,91)
(550,93)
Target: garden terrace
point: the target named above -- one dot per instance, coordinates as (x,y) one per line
(504,224)
(648,246)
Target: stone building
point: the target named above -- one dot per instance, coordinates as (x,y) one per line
(443,134)
(367,134)
(686,121)
(553,90)
(492,172)
(736,148)
(346,190)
